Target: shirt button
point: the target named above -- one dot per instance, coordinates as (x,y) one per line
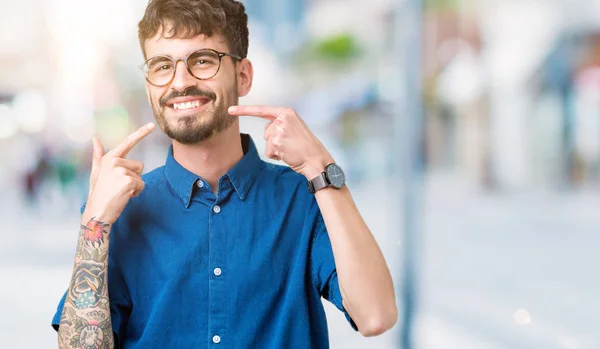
(200,184)
(217,208)
(216,339)
(217,271)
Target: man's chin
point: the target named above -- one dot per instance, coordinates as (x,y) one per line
(189,131)
(185,137)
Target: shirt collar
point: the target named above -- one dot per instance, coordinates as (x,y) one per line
(246,171)
(242,175)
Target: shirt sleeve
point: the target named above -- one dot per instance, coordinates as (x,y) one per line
(324,274)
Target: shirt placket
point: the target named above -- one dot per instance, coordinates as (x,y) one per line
(217,278)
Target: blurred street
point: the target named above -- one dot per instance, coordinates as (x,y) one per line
(471,295)
(496,103)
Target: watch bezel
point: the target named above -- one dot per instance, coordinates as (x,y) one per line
(328,168)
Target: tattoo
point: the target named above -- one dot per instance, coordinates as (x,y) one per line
(63,336)
(98,315)
(88,285)
(88,334)
(80,249)
(94,232)
(91,329)
(91,237)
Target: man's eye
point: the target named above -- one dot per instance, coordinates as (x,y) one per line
(204,62)
(163,67)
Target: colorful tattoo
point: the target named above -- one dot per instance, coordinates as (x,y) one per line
(91,329)
(94,233)
(91,333)
(88,284)
(89,275)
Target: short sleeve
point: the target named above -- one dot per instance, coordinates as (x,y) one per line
(58,314)
(323,270)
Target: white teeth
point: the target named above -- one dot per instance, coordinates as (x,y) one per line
(186,105)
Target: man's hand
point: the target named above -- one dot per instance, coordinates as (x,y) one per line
(114,179)
(289,139)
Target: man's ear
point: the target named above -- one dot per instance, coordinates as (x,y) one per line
(245,74)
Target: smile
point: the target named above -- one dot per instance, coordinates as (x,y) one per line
(188,104)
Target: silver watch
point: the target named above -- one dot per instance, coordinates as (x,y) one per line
(333,176)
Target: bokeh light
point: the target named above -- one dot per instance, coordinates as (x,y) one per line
(522,317)
(30,111)
(8,124)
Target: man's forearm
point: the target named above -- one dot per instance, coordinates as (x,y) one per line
(85,322)
(364,278)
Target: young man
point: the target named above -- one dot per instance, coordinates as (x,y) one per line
(217,248)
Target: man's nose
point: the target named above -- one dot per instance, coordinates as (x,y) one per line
(182,79)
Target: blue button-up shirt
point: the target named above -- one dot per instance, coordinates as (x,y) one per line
(245,268)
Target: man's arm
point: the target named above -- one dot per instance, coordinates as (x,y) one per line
(86,322)
(364,278)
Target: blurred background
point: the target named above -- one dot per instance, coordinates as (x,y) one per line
(469,131)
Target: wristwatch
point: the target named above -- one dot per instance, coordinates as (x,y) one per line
(333,176)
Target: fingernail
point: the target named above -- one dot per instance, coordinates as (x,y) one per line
(232,109)
(150,126)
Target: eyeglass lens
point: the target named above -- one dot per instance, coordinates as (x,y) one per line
(203,64)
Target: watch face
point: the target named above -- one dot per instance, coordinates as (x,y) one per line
(335,175)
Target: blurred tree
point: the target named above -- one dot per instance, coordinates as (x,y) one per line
(341,48)
(441,4)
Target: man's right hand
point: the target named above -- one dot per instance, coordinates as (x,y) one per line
(114,179)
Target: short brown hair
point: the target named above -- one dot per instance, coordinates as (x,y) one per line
(189,18)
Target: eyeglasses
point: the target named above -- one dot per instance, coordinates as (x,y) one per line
(202,64)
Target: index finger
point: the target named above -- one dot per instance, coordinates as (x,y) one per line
(123,149)
(262,111)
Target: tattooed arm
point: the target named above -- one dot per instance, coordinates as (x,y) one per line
(86,322)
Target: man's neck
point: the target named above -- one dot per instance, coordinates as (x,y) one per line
(213,157)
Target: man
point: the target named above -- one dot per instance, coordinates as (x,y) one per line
(217,248)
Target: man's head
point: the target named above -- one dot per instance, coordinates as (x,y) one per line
(190,103)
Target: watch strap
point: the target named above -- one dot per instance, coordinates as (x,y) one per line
(318,183)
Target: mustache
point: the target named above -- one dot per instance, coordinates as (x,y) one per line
(191,91)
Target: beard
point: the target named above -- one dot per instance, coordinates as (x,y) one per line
(200,125)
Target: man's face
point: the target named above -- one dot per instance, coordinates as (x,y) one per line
(209,99)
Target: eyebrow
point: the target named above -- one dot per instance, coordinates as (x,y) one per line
(160,56)
(186,55)
(166,58)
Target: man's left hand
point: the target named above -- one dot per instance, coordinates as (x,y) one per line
(289,139)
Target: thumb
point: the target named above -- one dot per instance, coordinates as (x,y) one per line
(97,156)
(98,149)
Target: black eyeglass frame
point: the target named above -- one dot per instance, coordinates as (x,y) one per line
(185,62)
